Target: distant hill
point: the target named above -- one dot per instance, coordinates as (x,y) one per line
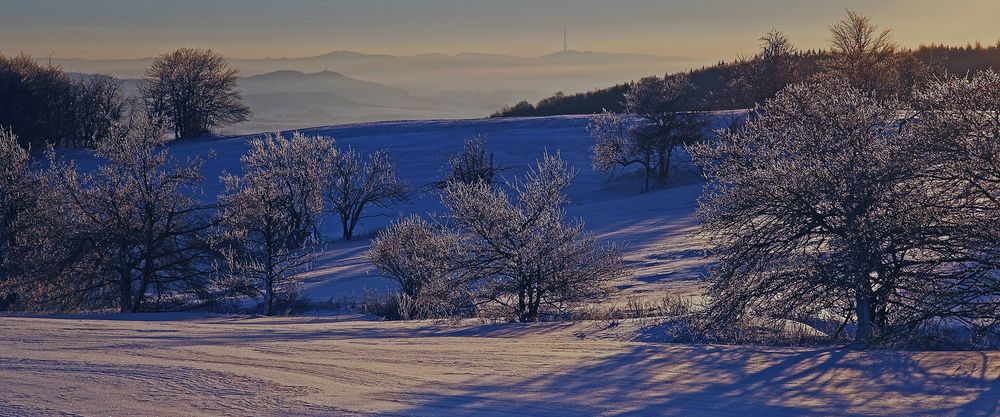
(290,81)
(429,74)
(357,63)
(296,110)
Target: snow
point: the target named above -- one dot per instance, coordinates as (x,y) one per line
(334,366)
(191,364)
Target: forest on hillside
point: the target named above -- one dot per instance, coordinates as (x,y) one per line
(725,86)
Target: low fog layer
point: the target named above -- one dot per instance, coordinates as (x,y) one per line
(347,87)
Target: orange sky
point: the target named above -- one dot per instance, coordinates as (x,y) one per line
(706,29)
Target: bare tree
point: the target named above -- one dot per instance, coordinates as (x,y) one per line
(17,199)
(195,90)
(42,105)
(961,116)
(99,106)
(867,58)
(665,107)
(356,184)
(131,234)
(959,124)
(473,164)
(270,214)
(523,253)
(761,77)
(424,259)
(614,145)
(822,205)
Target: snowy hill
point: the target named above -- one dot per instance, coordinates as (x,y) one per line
(657,227)
(192,364)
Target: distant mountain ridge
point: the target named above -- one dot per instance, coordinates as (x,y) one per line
(289,99)
(352,62)
(292,81)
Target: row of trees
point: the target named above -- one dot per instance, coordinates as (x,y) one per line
(189,91)
(860,54)
(135,234)
(505,246)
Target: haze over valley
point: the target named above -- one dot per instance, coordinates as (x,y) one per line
(350,87)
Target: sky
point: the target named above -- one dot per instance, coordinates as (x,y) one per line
(704,29)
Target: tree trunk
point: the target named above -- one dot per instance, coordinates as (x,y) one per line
(148,270)
(140,294)
(864,311)
(647,170)
(533,304)
(348,232)
(125,290)
(520,305)
(661,155)
(666,164)
(269,295)
(138,298)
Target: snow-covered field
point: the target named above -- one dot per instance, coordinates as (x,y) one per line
(190,364)
(657,227)
(341,367)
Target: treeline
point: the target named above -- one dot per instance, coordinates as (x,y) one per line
(44,106)
(581,103)
(189,91)
(134,234)
(722,86)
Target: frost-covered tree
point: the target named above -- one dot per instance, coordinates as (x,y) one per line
(473,164)
(822,206)
(15,187)
(959,120)
(664,107)
(614,146)
(17,200)
(356,183)
(513,250)
(194,90)
(424,259)
(270,214)
(523,252)
(961,116)
(100,104)
(130,235)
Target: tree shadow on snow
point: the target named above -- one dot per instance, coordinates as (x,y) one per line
(660,380)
